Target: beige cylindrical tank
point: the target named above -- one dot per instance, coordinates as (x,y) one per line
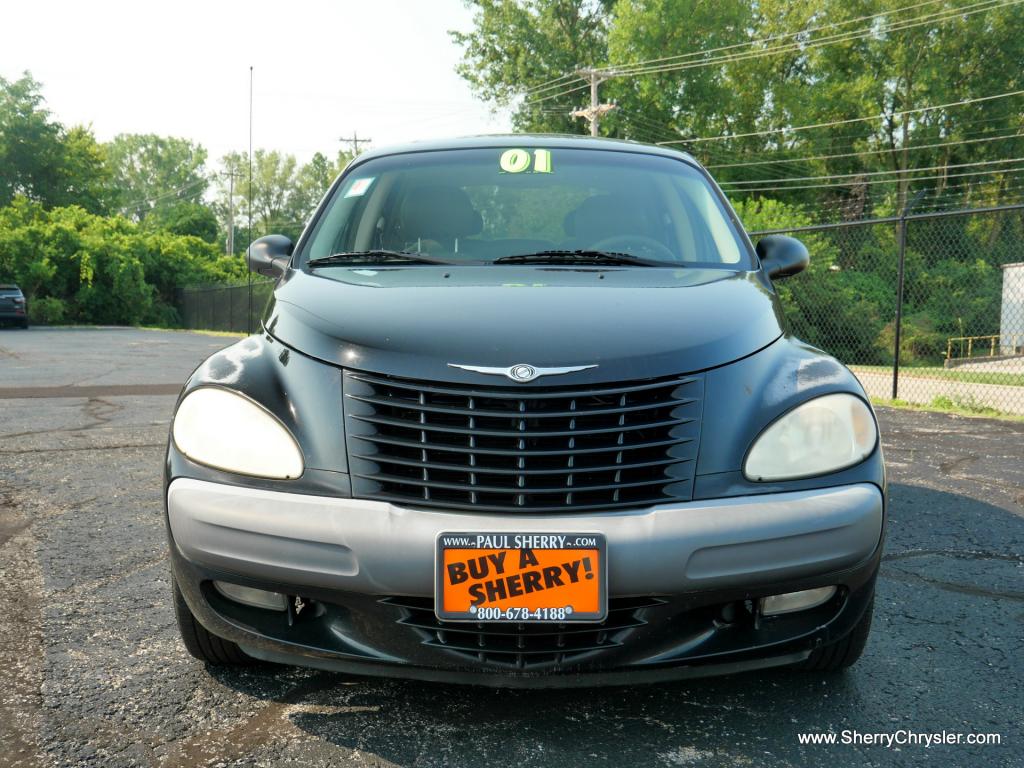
(1011,320)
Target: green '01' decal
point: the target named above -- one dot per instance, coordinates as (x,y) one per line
(519,160)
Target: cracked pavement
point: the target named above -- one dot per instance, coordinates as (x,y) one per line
(92,671)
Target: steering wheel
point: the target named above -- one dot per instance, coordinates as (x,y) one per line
(636,245)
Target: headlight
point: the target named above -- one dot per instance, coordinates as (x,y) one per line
(823,435)
(222,429)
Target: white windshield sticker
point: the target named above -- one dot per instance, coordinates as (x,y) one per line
(360,186)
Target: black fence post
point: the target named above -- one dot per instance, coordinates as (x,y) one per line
(907,207)
(899,304)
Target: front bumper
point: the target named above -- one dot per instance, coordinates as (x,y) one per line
(673,569)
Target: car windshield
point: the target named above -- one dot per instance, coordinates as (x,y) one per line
(542,205)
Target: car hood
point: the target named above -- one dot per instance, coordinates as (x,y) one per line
(630,323)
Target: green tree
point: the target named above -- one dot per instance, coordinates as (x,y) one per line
(691,101)
(42,160)
(519,44)
(155,173)
(193,219)
(285,194)
(753,71)
(274,182)
(87,181)
(313,180)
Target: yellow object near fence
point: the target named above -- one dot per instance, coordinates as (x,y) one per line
(994,345)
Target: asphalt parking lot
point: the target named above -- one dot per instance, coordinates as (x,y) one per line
(92,671)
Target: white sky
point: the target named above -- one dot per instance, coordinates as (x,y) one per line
(383,68)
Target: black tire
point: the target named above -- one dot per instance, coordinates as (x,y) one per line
(844,652)
(202,644)
(24,325)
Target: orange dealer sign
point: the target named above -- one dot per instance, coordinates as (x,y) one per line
(521,577)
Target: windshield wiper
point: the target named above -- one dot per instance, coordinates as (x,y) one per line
(376,257)
(583,257)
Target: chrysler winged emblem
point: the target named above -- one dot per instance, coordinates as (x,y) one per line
(522,372)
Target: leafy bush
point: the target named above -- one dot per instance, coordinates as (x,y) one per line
(920,342)
(104,269)
(46,311)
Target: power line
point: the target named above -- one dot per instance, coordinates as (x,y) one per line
(556,95)
(939,16)
(955,195)
(713,153)
(898,26)
(653,130)
(862,174)
(771,38)
(142,203)
(856,183)
(640,67)
(558,82)
(831,140)
(937,201)
(594,76)
(864,153)
(847,121)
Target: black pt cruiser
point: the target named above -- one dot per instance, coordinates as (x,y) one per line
(523,411)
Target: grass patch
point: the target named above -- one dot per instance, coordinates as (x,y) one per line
(959,406)
(949,374)
(202,331)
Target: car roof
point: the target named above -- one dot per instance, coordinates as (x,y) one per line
(527,140)
(9,287)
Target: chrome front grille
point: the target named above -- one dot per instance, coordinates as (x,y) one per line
(522,449)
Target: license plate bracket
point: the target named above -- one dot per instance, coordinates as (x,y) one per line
(517,577)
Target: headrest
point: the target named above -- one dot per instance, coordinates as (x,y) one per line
(603,216)
(439,213)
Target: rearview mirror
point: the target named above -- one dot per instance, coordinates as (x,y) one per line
(270,255)
(782,256)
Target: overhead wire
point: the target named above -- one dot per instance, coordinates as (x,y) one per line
(770,38)
(849,120)
(861,174)
(864,153)
(859,183)
(551,84)
(634,68)
(940,16)
(781,168)
(965,128)
(145,202)
(542,99)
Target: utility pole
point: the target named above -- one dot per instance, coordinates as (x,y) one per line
(355,141)
(595,111)
(231,212)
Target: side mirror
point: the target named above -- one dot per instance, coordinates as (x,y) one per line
(782,256)
(270,255)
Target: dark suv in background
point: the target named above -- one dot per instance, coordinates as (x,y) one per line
(13,308)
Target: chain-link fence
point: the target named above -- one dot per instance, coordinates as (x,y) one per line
(224,307)
(927,309)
